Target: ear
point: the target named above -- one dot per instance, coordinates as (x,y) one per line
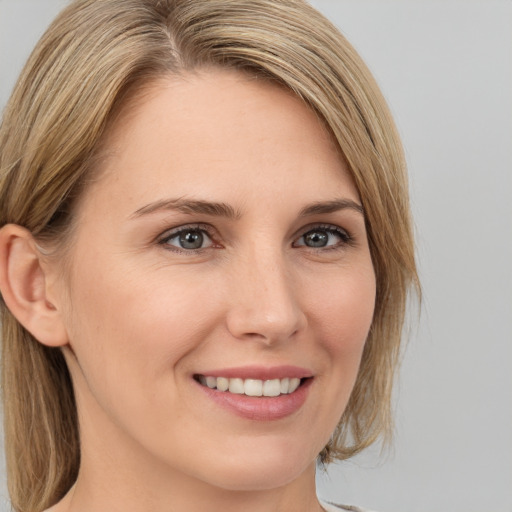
(23,285)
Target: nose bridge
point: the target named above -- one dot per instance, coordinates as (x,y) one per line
(264,302)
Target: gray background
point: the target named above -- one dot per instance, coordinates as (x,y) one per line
(446,69)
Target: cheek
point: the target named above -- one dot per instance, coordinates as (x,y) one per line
(340,316)
(135,324)
(135,313)
(344,312)
(131,342)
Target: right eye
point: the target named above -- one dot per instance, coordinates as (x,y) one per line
(324,236)
(188,239)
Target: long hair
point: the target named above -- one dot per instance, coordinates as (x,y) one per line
(94,56)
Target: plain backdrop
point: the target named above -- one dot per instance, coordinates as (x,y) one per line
(446,69)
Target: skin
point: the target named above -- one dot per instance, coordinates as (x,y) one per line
(147,316)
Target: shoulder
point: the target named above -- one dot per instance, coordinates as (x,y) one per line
(331,507)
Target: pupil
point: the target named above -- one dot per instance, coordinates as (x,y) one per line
(316,239)
(191,240)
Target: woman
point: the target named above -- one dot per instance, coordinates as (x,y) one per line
(205,256)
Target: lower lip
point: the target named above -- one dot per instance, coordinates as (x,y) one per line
(260,408)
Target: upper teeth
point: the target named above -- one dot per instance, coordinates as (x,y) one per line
(252,387)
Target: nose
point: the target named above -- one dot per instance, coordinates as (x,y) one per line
(264,301)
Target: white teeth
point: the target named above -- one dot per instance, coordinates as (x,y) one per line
(272,387)
(236,386)
(252,387)
(294,384)
(222,384)
(211,382)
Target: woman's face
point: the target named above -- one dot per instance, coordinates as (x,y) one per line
(223,244)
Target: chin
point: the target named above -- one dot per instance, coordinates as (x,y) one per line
(251,480)
(238,471)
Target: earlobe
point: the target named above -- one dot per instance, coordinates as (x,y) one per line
(23,285)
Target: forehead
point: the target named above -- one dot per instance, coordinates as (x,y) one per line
(207,98)
(202,130)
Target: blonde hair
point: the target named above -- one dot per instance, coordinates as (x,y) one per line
(95,54)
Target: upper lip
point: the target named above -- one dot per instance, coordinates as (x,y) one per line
(260,372)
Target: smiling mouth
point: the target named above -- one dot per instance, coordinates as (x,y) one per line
(252,387)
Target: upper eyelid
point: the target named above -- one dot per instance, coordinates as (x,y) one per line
(344,234)
(209,228)
(169,233)
(324,226)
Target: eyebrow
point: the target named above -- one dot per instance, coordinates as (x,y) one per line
(330,207)
(190,206)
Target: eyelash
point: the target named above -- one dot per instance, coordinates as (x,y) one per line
(203,228)
(345,238)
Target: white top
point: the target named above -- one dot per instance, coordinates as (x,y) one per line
(331,507)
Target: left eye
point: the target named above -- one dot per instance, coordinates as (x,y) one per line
(323,237)
(189,239)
